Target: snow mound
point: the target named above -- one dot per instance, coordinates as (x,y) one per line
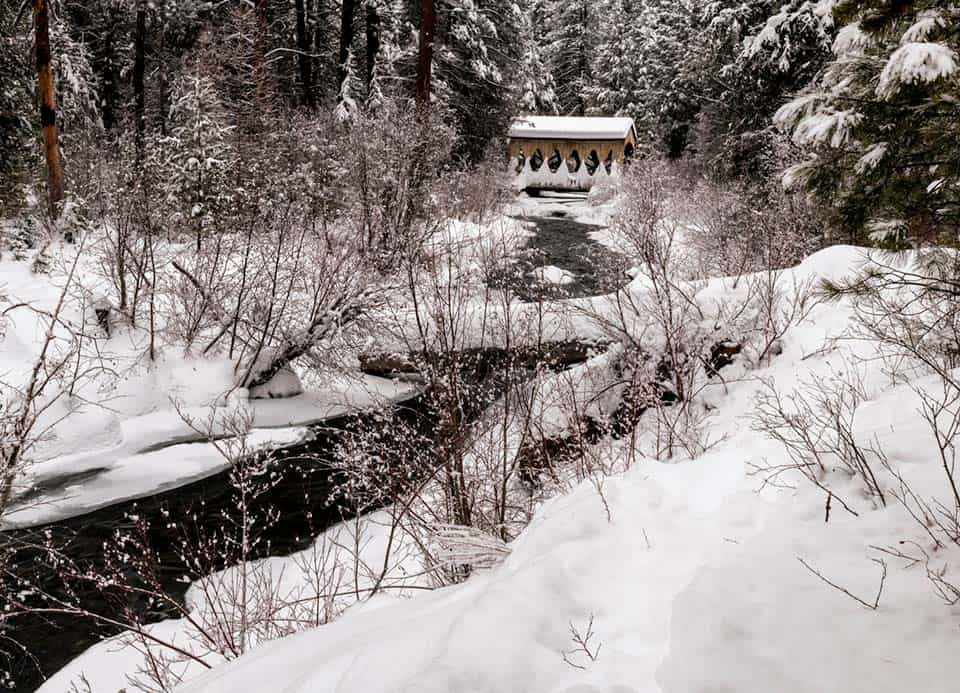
(285,383)
(551,274)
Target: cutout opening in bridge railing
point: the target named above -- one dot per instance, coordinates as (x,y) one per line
(536,160)
(573,162)
(521,162)
(608,162)
(627,153)
(554,161)
(592,162)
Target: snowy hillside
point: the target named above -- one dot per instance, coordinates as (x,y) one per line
(526,346)
(678,575)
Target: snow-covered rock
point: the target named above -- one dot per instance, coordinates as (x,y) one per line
(286,383)
(551,274)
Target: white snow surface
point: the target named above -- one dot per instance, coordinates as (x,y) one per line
(103,445)
(571,127)
(692,581)
(551,274)
(110,665)
(147,457)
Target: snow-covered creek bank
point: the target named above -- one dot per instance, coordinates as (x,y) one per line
(302,489)
(564,249)
(302,493)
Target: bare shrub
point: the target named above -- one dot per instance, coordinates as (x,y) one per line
(670,338)
(48,380)
(739,228)
(237,599)
(905,311)
(814,423)
(583,648)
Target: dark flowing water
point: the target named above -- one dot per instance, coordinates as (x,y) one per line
(565,243)
(303,492)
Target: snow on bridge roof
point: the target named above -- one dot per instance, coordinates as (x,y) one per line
(570,128)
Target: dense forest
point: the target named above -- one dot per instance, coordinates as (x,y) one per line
(294,342)
(149,85)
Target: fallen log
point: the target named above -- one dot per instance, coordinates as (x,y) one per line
(554,355)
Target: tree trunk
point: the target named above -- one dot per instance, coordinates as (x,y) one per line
(373,41)
(48,103)
(260,72)
(428,22)
(139,68)
(347,11)
(318,17)
(163,89)
(304,61)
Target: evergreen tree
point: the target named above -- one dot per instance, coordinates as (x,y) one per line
(756,55)
(615,89)
(199,159)
(668,85)
(569,45)
(536,87)
(16,102)
(881,124)
(78,90)
(476,55)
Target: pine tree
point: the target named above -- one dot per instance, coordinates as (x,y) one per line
(199,158)
(569,45)
(78,90)
(16,103)
(668,83)
(614,89)
(536,87)
(477,52)
(757,55)
(881,125)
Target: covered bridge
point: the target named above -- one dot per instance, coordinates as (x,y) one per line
(569,153)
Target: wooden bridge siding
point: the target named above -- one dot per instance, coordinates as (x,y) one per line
(566,147)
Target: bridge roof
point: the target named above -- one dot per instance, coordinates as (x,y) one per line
(570,128)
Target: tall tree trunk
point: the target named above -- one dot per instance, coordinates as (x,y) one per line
(347,12)
(109,91)
(318,24)
(48,103)
(304,61)
(139,68)
(428,23)
(373,40)
(163,88)
(260,75)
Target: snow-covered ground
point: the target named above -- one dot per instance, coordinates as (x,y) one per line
(687,575)
(294,591)
(159,450)
(139,426)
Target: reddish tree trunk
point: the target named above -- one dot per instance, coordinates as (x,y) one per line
(48,103)
(428,21)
